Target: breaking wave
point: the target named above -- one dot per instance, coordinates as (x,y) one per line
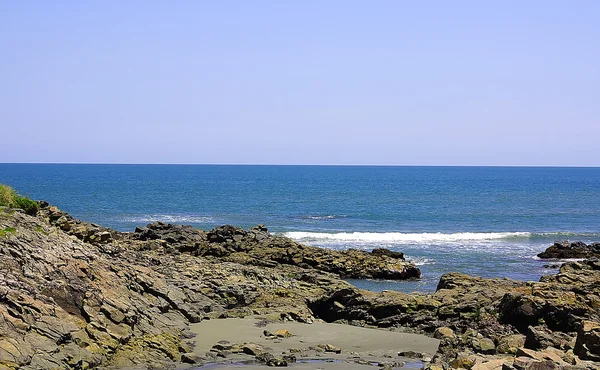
(402,237)
(175,219)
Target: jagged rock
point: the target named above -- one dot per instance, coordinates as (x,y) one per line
(568,249)
(587,345)
(509,344)
(538,337)
(257,247)
(73,297)
(521,310)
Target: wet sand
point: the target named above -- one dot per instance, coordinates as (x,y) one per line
(362,348)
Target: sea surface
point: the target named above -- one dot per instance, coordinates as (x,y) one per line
(485,221)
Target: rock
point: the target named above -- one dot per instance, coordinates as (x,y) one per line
(330,348)
(587,345)
(282,333)
(521,310)
(509,344)
(388,253)
(277,362)
(484,345)
(257,247)
(566,249)
(75,297)
(289,358)
(538,337)
(190,358)
(411,354)
(253,349)
(489,365)
(264,357)
(463,361)
(444,332)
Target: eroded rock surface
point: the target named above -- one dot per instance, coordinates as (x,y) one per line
(67,303)
(76,295)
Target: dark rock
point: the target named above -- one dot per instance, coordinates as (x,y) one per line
(520,310)
(264,357)
(411,354)
(388,253)
(190,358)
(289,358)
(568,249)
(277,362)
(225,233)
(587,345)
(539,337)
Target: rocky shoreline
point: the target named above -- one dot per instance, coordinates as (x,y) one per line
(77,295)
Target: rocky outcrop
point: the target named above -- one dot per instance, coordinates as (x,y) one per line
(85,231)
(67,303)
(258,247)
(477,318)
(566,249)
(71,299)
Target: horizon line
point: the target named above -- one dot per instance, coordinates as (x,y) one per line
(309,164)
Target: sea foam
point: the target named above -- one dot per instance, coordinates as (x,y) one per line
(176,219)
(402,237)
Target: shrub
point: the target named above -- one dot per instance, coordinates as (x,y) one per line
(10,198)
(31,207)
(7,196)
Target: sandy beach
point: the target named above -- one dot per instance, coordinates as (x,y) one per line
(361,348)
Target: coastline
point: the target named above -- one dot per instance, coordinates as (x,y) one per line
(80,295)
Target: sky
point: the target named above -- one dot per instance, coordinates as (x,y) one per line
(301,82)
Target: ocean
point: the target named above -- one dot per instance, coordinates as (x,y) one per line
(484,221)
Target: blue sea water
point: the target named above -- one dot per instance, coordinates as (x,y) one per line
(485,221)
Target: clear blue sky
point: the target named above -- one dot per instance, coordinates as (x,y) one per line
(301,82)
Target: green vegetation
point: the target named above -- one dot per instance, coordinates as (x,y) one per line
(6,230)
(10,198)
(39,229)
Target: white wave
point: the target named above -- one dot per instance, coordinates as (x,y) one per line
(420,261)
(176,219)
(326,217)
(401,237)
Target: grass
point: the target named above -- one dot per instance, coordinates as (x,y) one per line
(10,198)
(39,229)
(6,230)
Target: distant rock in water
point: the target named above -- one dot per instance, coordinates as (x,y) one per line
(566,249)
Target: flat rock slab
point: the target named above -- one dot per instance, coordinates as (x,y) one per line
(370,345)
